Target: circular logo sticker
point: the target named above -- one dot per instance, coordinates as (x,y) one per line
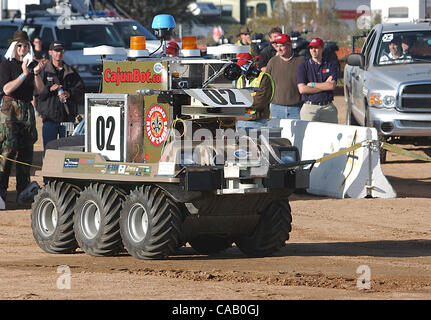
(156,124)
(158,67)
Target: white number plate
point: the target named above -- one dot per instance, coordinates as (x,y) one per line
(222,97)
(105,132)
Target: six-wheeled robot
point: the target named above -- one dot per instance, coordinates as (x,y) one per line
(163,165)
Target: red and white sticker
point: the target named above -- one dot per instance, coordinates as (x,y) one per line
(156,124)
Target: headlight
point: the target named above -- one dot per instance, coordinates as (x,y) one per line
(381,100)
(375,99)
(80,67)
(388,101)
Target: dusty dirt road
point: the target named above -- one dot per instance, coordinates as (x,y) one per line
(334,243)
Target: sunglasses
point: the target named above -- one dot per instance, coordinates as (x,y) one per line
(22,45)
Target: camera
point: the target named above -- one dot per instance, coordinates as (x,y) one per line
(31,66)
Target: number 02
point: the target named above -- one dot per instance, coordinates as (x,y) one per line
(100,132)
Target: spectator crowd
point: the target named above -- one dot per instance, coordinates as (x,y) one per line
(300,88)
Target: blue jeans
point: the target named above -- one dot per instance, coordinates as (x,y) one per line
(255,124)
(52,130)
(285,112)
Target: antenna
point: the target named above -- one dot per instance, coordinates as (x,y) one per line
(221,11)
(221,17)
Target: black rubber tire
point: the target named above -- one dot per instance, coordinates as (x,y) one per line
(271,232)
(99,238)
(150,223)
(210,244)
(52,217)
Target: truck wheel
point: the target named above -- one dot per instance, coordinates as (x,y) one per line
(52,217)
(96,221)
(150,223)
(210,244)
(271,232)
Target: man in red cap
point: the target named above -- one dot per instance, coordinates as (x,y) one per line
(317,79)
(286,103)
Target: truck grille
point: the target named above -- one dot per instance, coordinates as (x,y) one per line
(415,124)
(415,97)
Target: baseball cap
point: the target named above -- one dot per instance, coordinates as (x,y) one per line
(56,45)
(172,47)
(315,43)
(282,38)
(244,58)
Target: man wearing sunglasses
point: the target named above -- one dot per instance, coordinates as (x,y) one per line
(244,40)
(62,93)
(19,81)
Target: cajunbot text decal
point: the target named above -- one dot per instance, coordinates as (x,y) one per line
(134,76)
(156,124)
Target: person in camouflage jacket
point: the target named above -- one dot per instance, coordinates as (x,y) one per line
(17,117)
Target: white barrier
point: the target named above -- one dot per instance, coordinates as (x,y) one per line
(354,175)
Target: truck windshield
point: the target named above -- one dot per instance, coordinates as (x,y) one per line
(128,29)
(88,36)
(6,34)
(404,47)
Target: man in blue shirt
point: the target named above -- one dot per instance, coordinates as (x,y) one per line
(317,79)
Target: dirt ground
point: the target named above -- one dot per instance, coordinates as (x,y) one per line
(334,244)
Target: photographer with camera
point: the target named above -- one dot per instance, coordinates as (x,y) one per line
(63,91)
(19,80)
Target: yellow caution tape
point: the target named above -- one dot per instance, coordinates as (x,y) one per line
(353,162)
(339,153)
(23,163)
(403,152)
